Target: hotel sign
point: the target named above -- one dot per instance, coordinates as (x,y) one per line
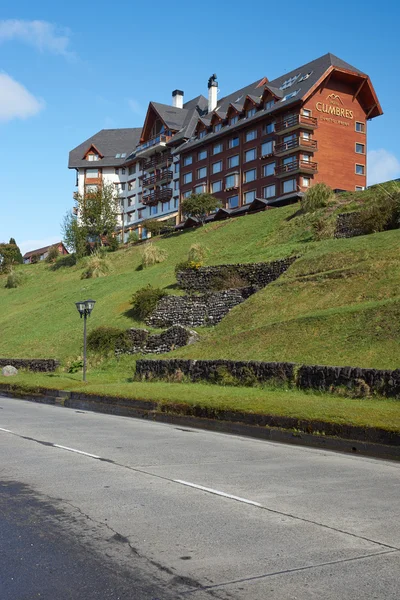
(334,106)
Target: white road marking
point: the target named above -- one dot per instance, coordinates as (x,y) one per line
(217,492)
(77,451)
(7,430)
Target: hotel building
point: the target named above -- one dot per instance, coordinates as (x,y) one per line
(261,146)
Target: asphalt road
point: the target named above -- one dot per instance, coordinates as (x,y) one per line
(97,506)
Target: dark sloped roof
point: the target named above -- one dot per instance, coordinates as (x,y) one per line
(194,108)
(172,116)
(109,142)
(42,250)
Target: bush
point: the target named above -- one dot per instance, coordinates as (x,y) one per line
(187,264)
(112,243)
(104,340)
(9,255)
(75,366)
(52,254)
(153,226)
(145,300)
(151,255)
(228,278)
(34,259)
(197,253)
(383,213)
(67,260)
(133,238)
(324,228)
(97,266)
(14,279)
(318,196)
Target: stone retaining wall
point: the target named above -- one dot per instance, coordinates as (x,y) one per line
(142,341)
(360,381)
(42,365)
(348,225)
(192,311)
(254,274)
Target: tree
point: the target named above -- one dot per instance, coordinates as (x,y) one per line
(10,255)
(153,226)
(199,206)
(94,218)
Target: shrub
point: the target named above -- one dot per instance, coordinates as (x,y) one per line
(52,254)
(318,196)
(112,243)
(151,255)
(9,255)
(68,260)
(228,278)
(75,366)
(14,279)
(104,340)
(133,238)
(145,300)
(34,259)
(324,228)
(197,253)
(383,213)
(153,226)
(97,266)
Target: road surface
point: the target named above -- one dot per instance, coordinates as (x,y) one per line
(99,506)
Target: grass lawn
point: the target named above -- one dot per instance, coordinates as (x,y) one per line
(112,380)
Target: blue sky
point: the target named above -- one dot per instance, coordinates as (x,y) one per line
(69,69)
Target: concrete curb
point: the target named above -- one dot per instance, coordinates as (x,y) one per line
(144,409)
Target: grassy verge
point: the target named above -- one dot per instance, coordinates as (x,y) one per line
(374,412)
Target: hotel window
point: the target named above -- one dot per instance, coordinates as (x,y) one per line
(123,171)
(269,169)
(249,196)
(176,185)
(290,163)
(202,133)
(166,206)
(233,201)
(306,181)
(217,167)
(187,178)
(360,188)
(217,127)
(176,167)
(217,148)
(139,197)
(251,112)
(200,189)
(131,201)
(141,213)
(202,155)
(216,186)
(360,169)
(250,155)
(202,172)
(360,148)
(231,181)
(270,128)
(132,169)
(153,210)
(233,120)
(360,127)
(267,148)
(187,194)
(116,171)
(251,135)
(233,142)
(306,157)
(187,161)
(250,175)
(176,202)
(289,186)
(93,157)
(122,186)
(92,173)
(233,161)
(269,104)
(306,112)
(306,135)
(269,191)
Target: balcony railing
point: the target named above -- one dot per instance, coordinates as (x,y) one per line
(296,166)
(157,196)
(295,121)
(162,176)
(299,143)
(155,141)
(164,158)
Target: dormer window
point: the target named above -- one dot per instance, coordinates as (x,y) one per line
(269,104)
(233,120)
(92,157)
(251,112)
(217,127)
(202,133)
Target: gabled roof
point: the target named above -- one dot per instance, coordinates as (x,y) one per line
(43,250)
(109,143)
(172,116)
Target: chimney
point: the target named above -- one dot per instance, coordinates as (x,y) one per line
(212,92)
(177,99)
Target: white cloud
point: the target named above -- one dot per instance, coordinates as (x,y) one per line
(36,244)
(40,34)
(382,166)
(15,100)
(135,106)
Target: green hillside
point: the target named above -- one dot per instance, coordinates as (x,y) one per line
(339,303)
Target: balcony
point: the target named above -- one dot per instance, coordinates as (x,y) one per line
(164,176)
(157,161)
(294,122)
(157,196)
(298,143)
(296,166)
(159,140)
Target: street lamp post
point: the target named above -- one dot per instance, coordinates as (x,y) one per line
(84,309)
